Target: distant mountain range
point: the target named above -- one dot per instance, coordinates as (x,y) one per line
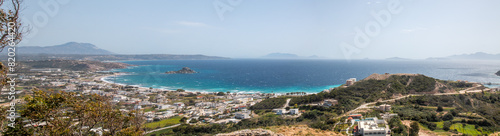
(473,56)
(67,48)
(288,56)
(87,51)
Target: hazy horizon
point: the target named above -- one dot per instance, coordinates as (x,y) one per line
(251,29)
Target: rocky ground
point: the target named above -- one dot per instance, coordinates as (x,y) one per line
(253,132)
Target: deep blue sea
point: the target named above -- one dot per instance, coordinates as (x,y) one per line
(281,76)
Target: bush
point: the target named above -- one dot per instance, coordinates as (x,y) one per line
(440,109)
(447,117)
(446,126)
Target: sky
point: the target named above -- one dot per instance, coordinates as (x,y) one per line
(349,29)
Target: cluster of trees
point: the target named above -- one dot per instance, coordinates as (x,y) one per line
(397,128)
(62,113)
(486,105)
(422,84)
(456,84)
(272,103)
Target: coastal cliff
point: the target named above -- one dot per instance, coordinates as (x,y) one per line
(184,70)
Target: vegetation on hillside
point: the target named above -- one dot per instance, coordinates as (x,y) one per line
(370,91)
(63,113)
(269,104)
(478,111)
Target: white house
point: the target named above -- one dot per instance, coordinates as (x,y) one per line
(245,114)
(279,111)
(294,111)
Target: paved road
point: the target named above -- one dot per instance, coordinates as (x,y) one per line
(162,128)
(286,104)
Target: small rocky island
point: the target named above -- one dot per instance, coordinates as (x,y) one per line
(498,73)
(184,70)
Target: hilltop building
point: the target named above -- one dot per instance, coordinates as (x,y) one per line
(350,81)
(384,107)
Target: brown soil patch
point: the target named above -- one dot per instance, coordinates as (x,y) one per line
(301,130)
(385,76)
(422,132)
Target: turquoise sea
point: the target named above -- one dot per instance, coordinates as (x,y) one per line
(281,76)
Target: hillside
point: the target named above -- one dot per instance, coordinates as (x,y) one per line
(67,48)
(480,112)
(377,86)
(73,65)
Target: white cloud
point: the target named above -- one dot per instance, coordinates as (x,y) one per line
(193,24)
(368,3)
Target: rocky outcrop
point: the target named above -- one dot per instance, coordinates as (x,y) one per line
(498,73)
(253,132)
(184,70)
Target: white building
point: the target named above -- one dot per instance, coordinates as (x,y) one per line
(384,107)
(294,111)
(241,115)
(279,111)
(166,106)
(369,127)
(350,81)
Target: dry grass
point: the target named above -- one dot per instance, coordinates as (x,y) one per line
(301,130)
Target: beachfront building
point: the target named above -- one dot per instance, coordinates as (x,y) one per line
(350,81)
(372,127)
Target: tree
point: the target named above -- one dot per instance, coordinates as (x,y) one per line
(193,121)
(446,126)
(183,120)
(447,117)
(180,90)
(220,94)
(63,113)
(432,126)
(439,109)
(11,32)
(414,129)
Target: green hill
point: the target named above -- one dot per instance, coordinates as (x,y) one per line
(378,86)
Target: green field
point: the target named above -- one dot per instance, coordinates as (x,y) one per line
(439,124)
(163,123)
(468,129)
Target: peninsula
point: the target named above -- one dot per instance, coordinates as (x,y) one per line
(184,70)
